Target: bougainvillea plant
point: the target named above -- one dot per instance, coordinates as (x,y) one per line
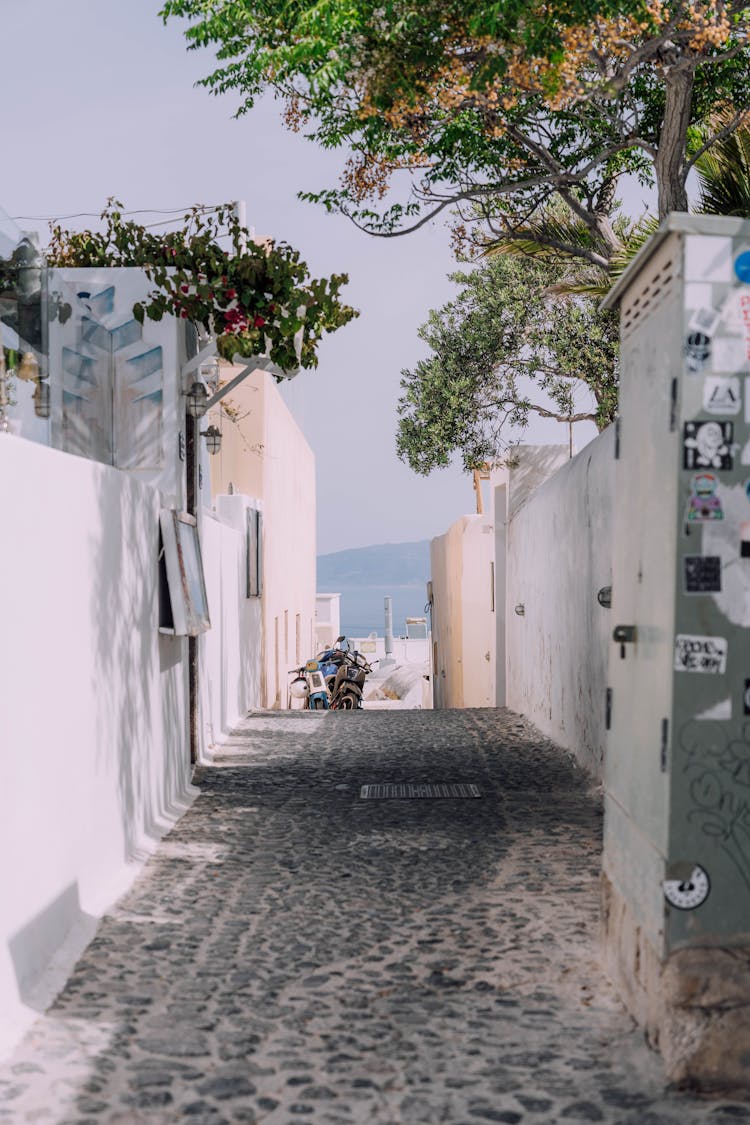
(253,298)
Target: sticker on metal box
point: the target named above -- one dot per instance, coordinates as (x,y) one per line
(700,654)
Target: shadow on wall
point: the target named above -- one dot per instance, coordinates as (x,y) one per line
(536,464)
(137,672)
(37,942)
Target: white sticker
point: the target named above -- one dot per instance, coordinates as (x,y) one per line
(688,893)
(705,320)
(745,455)
(719,711)
(747,398)
(729,354)
(722,394)
(700,654)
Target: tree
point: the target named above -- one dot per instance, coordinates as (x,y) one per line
(494,108)
(494,348)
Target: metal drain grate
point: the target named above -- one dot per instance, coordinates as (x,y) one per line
(410,792)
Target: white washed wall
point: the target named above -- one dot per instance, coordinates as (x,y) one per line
(93,711)
(230,652)
(559,542)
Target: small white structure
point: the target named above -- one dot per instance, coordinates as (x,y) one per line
(327,620)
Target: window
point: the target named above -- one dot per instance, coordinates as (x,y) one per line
(184,567)
(254,553)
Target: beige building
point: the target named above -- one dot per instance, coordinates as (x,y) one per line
(265,457)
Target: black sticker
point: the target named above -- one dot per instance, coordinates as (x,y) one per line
(702,574)
(745,540)
(697,351)
(746,698)
(707,445)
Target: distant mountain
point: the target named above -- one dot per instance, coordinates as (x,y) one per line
(365,575)
(402,564)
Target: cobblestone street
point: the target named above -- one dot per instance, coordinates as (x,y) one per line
(293,954)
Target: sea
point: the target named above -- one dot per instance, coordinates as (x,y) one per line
(363,610)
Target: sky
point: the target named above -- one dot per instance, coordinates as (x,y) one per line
(98,98)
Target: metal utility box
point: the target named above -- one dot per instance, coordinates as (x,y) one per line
(677,821)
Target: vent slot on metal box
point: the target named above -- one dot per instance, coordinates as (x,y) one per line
(655,289)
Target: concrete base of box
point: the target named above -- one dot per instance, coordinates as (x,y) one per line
(694,1006)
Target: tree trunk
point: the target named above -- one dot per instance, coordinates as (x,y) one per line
(671,159)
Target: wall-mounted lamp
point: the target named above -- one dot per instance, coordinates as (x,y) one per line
(520,610)
(604,597)
(213,439)
(197,398)
(42,399)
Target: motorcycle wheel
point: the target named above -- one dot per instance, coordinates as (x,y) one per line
(347,702)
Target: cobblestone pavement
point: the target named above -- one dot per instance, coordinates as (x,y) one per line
(293,954)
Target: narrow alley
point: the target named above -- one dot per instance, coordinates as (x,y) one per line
(295,953)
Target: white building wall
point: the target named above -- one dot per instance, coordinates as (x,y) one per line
(327,620)
(230,651)
(559,540)
(289,558)
(93,704)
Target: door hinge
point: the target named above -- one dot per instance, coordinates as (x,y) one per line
(608,710)
(617,439)
(664,744)
(673,406)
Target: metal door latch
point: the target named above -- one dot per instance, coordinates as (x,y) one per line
(624,634)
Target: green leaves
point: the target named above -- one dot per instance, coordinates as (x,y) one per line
(501,351)
(247,298)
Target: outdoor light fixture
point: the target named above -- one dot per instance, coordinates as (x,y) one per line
(41,399)
(197,399)
(213,439)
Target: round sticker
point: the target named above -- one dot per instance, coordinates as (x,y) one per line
(686,894)
(742,267)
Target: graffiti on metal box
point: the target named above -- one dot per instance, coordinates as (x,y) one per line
(707,445)
(719,770)
(700,654)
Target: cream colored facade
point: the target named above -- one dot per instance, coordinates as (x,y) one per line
(265,457)
(463,626)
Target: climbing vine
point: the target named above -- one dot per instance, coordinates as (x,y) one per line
(254,298)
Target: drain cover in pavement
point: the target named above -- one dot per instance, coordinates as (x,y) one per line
(409,791)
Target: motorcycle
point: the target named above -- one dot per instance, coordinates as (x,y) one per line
(334,679)
(349,682)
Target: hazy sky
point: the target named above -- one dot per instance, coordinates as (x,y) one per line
(98,99)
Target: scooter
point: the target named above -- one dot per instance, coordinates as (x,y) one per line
(309,684)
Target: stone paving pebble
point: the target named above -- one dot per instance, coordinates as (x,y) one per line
(294,955)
